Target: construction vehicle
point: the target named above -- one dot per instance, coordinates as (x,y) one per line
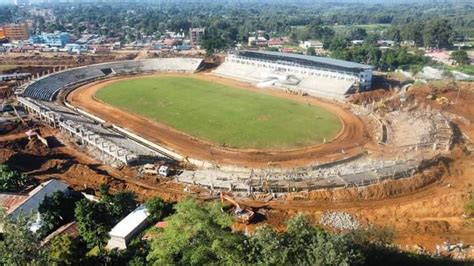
(243,215)
(151,169)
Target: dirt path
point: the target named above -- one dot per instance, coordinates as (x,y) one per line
(349,141)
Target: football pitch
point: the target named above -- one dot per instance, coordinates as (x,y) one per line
(222,114)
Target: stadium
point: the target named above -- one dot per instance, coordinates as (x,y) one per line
(259,122)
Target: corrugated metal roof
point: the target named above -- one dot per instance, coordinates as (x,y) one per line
(9,201)
(316,59)
(128,224)
(67,229)
(36,196)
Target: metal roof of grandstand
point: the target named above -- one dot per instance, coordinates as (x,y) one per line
(317,59)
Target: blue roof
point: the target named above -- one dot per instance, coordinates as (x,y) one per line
(317,59)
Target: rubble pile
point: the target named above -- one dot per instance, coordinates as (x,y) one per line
(339,220)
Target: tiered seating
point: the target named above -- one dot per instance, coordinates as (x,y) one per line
(312,85)
(171,64)
(47,87)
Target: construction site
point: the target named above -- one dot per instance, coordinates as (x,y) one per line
(402,159)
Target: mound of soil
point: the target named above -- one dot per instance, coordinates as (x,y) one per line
(36,147)
(53,166)
(83,176)
(6,154)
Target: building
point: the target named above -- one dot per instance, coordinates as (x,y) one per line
(304,65)
(128,228)
(196,34)
(16,32)
(317,45)
(56,39)
(259,41)
(70,229)
(19,204)
(276,43)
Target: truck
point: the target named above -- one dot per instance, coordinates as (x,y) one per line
(151,169)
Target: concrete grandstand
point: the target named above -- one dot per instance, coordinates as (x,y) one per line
(316,76)
(429,133)
(107,143)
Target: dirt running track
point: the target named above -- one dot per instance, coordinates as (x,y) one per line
(348,142)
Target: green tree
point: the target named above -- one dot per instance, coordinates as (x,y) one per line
(311,51)
(460,57)
(266,247)
(66,250)
(438,33)
(94,222)
(357,34)
(197,234)
(309,245)
(122,204)
(157,208)
(19,246)
(119,204)
(55,211)
(12,181)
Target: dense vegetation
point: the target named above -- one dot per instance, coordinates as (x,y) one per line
(420,23)
(233,21)
(199,233)
(11,180)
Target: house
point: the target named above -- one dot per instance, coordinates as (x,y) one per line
(317,45)
(70,229)
(276,43)
(128,228)
(259,41)
(19,204)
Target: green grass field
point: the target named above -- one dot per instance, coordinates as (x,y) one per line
(221,114)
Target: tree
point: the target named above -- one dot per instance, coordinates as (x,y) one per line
(12,181)
(19,246)
(460,57)
(311,51)
(266,247)
(309,245)
(66,250)
(157,208)
(357,34)
(118,205)
(197,234)
(122,204)
(438,33)
(94,222)
(55,211)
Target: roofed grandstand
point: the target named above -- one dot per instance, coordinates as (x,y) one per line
(316,76)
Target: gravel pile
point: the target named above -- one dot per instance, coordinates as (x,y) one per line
(339,220)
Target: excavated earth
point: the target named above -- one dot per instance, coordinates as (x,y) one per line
(424,210)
